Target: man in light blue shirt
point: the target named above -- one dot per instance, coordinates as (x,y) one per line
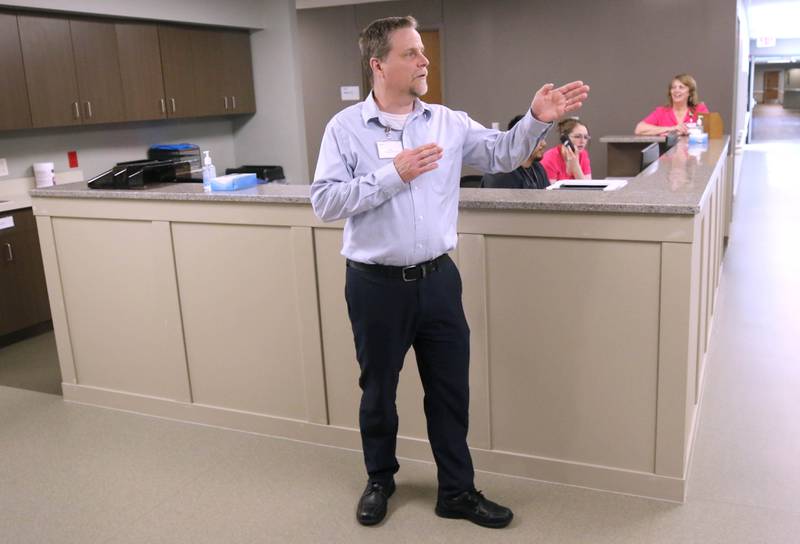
(391,166)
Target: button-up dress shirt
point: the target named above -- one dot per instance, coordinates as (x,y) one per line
(391,222)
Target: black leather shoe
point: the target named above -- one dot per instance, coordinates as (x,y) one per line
(372,504)
(472,505)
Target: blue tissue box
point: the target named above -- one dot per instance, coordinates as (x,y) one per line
(233,182)
(701,138)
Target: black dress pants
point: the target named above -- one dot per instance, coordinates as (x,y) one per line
(389,316)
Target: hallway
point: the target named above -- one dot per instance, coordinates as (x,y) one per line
(772,123)
(79,474)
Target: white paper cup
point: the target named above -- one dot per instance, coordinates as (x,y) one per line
(44,173)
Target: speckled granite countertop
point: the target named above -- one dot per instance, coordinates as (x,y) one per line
(673,185)
(631,138)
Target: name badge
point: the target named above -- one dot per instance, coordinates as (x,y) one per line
(389,149)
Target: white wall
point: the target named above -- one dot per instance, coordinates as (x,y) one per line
(741,114)
(100,147)
(238,13)
(782,47)
(276,134)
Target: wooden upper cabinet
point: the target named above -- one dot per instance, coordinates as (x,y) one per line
(94,44)
(140,67)
(223,72)
(15,111)
(239,71)
(178,70)
(49,70)
(58,71)
(208,56)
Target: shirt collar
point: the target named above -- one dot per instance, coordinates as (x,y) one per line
(370,110)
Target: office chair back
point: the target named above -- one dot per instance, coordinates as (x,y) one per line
(471,181)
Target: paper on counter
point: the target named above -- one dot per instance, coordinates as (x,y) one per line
(589,184)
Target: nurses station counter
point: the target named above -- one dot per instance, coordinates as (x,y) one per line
(590,314)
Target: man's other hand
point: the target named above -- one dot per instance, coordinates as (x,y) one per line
(411,163)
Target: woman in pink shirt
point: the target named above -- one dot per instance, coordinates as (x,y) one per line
(563,162)
(683,104)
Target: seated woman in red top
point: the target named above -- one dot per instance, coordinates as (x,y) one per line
(683,104)
(563,162)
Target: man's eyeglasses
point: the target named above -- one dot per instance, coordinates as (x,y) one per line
(581,137)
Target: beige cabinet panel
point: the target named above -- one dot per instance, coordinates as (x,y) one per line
(121,314)
(240,317)
(576,377)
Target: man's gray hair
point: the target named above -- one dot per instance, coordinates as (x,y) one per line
(374,39)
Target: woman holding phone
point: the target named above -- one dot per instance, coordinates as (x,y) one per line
(569,159)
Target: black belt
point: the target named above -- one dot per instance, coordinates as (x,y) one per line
(406,273)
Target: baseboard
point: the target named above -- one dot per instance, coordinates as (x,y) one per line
(513,464)
(28,332)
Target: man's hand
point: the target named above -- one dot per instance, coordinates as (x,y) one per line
(550,103)
(411,163)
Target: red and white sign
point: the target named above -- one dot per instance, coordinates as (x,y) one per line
(765,42)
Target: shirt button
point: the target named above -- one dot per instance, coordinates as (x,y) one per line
(420,218)
(419,246)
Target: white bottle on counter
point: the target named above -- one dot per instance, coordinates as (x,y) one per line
(209,171)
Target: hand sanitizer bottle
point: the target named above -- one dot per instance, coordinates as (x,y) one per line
(209,171)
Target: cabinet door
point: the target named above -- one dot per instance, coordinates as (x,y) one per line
(140,66)
(24,302)
(178,70)
(239,71)
(11,302)
(209,72)
(15,111)
(49,70)
(97,66)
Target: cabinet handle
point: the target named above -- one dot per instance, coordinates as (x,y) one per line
(77,110)
(9,252)
(225,98)
(234,101)
(163,106)
(172,101)
(88,109)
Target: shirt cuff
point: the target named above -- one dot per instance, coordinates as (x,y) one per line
(388,179)
(535,123)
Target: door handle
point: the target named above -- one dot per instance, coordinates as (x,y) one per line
(88,109)
(77,110)
(163,106)
(9,252)
(234,101)
(172,101)
(225,98)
